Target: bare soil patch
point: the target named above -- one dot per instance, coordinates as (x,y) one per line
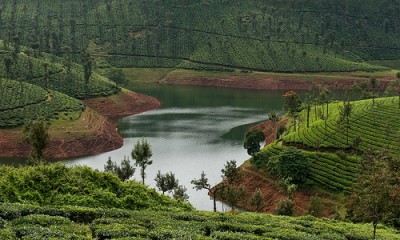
(123,104)
(91,134)
(265,81)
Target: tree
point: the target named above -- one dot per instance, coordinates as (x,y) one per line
(166,182)
(373,85)
(376,196)
(344,117)
(202,183)
(116,75)
(87,68)
(37,135)
(231,173)
(180,193)
(252,141)
(110,166)
(233,195)
(273,116)
(124,172)
(291,163)
(315,206)
(285,207)
(324,98)
(292,104)
(257,200)
(142,153)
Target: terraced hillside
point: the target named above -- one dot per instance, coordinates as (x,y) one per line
(50,72)
(375,123)
(327,170)
(20,102)
(281,36)
(332,146)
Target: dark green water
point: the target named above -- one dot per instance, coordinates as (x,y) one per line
(197,129)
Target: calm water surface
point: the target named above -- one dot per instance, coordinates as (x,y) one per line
(197,129)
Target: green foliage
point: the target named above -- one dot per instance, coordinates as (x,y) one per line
(270,36)
(291,102)
(285,207)
(36,134)
(81,186)
(116,75)
(377,193)
(180,193)
(124,171)
(142,153)
(315,206)
(35,102)
(166,182)
(377,125)
(327,170)
(52,74)
(252,141)
(230,172)
(144,224)
(257,200)
(292,163)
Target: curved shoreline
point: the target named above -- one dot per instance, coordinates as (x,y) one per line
(275,81)
(93,133)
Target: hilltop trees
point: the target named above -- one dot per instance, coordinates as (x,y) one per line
(292,104)
(124,172)
(142,153)
(166,182)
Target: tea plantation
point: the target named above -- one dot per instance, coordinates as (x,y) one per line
(20,102)
(57,202)
(279,36)
(376,124)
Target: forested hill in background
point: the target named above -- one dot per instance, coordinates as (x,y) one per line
(268,35)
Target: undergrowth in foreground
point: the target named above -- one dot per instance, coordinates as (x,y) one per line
(67,222)
(80,186)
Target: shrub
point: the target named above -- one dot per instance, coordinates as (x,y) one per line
(315,206)
(285,207)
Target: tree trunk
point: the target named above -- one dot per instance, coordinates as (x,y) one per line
(308,115)
(375,225)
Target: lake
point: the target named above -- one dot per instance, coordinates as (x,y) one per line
(196,129)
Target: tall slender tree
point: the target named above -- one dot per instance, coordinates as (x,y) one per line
(142,153)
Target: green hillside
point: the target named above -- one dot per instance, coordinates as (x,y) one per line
(376,125)
(20,102)
(281,36)
(57,184)
(51,72)
(333,158)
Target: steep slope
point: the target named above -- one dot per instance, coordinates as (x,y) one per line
(281,36)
